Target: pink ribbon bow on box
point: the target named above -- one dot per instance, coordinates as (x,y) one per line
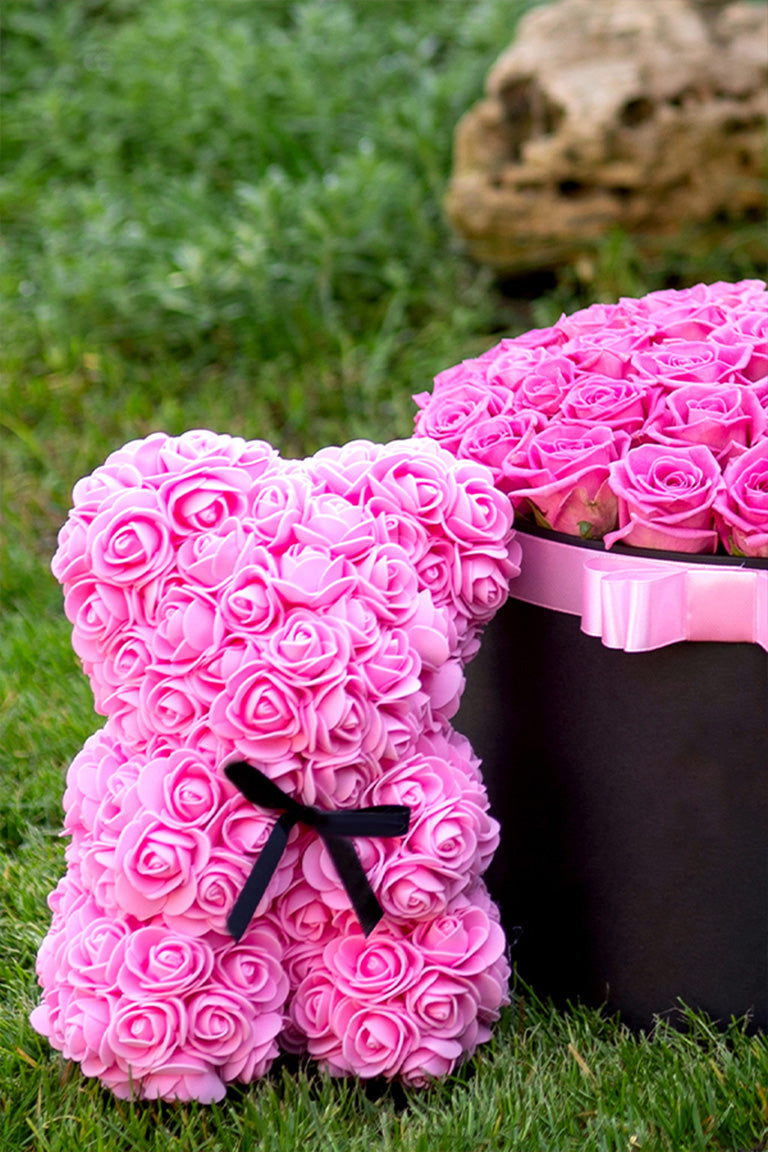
(637,603)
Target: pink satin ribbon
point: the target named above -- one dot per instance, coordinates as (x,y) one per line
(636,603)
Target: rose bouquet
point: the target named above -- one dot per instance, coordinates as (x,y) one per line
(643,422)
(309,621)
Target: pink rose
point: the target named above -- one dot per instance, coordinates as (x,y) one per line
(157,866)
(544,385)
(224,1030)
(741,508)
(218,885)
(666,497)
(623,405)
(278,503)
(565,476)
(344,529)
(678,362)
(129,541)
(417,888)
(726,417)
(492,441)
(452,412)
(309,650)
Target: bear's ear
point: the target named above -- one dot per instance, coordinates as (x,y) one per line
(134,513)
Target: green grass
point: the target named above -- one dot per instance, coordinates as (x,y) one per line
(230,215)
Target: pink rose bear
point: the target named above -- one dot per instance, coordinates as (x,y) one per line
(277,645)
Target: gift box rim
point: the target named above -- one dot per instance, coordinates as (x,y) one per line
(628,552)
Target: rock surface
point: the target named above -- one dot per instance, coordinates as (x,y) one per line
(647,114)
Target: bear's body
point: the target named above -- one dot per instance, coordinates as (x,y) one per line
(311,618)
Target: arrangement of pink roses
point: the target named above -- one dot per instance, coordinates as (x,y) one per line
(313,618)
(644,422)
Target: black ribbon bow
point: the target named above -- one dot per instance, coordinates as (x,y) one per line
(381,820)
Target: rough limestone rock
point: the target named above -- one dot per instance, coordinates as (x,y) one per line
(647,115)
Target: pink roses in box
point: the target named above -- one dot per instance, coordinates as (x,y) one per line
(644,422)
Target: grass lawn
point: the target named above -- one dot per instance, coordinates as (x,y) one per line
(229,215)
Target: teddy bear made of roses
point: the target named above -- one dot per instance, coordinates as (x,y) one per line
(305,625)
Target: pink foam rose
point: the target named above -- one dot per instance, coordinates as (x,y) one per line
(181,1077)
(253,967)
(260,713)
(623,405)
(413,479)
(666,497)
(188,625)
(278,503)
(565,476)
(140,1036)
(176,452)
(157,866)
(92,939)
(417,887)
(313,1009)
(343,469)
(203,496)
(375,1040)
(129,541)
(153,961)
(127,658)
(442,1005)
(727,418)
(312,577)
(741,509)
(305,915)
(249,601)
(180,788)
(374,969)
(458,833)
(83,1021)
(479,514)
(465,941)
(344,529)
(217,888)
(164,703)
(224,1030)
(485,578)
(308,650)
(433,1059)
(389,583)
(391,672)
(210,558)
(97,612)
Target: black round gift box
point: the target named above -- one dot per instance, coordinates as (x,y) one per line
(632,791)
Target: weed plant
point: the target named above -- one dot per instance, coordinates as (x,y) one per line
(229,215)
